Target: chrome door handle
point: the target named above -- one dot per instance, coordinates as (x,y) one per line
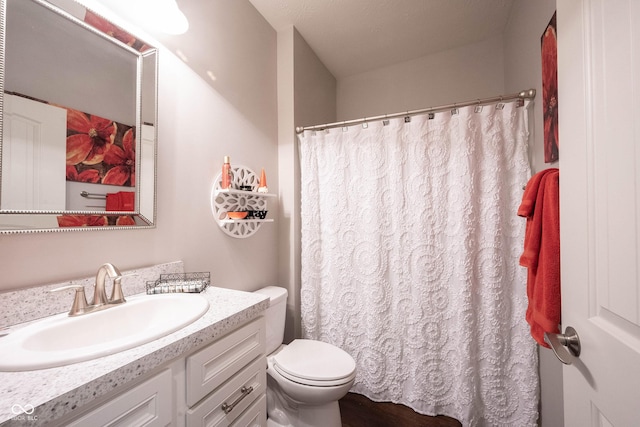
(558,342)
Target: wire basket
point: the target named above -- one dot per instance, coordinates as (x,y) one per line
(179,282)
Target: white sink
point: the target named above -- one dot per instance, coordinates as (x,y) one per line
(61,340)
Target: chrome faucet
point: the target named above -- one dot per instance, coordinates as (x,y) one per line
(100,300)
(99,293)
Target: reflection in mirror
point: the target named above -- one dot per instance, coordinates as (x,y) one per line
(79,117)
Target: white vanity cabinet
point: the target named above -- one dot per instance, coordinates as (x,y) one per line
(227,379)
(148,404)
(222,384)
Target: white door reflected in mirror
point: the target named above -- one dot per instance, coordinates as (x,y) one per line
(33,157)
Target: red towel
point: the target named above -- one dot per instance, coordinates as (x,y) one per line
(541,206)
(122,201)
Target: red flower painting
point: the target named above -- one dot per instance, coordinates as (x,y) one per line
(99,23)
(550,91)
(123,162)
(125,220)
(100,150)
(82,221)
(95,220)
(89,175)
(91,136)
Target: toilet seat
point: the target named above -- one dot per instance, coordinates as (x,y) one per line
(314,363)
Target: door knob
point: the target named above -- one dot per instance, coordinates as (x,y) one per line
(565,346)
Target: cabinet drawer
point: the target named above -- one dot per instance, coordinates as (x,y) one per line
(213,365)
(209,412)
(255,416)
(148,404)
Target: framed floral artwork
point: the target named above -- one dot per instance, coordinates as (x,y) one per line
(94,220)
(98,22)
(549,47)
(99,150)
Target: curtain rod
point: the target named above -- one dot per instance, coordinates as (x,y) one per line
(525,94)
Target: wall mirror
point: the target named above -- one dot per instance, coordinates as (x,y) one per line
(79,117)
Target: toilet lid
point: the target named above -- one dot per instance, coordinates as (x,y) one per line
(314,361)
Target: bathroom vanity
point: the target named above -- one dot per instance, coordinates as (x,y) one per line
(211,372)
(221,384)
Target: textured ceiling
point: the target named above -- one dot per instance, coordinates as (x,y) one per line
(354,36)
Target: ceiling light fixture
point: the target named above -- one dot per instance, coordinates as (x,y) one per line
(160,15)
(164,16)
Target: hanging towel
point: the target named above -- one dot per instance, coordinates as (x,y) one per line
(541,255)
(122,201)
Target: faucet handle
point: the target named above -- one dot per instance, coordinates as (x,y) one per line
(117,296)
(79,301)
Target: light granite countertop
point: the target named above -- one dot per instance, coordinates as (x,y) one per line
(56,392)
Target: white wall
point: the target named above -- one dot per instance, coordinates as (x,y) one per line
(306,94)
(289,195)
(522,61)
(466,73)
(197,126)
(523,69)
(315,86)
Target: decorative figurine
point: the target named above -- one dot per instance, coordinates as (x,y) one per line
(262,188)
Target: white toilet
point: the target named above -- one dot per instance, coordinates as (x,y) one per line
(306,378)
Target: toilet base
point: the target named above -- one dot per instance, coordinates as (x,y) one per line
(327,415)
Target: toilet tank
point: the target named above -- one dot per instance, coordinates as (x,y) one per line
(275,316)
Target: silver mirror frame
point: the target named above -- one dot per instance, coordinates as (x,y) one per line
(148,217)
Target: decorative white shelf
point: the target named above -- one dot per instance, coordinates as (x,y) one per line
(244,221)
(225,200)
(244,192)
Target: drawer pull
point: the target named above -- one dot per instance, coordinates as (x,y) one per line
(245,392)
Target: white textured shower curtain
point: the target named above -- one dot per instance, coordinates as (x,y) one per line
(410,247)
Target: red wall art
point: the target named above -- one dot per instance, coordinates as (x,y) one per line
(549,46)
(95,220)
(99,150)
(99,23)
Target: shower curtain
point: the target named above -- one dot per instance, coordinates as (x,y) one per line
(410,247)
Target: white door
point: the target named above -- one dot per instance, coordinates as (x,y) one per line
(34,148)
(599,123)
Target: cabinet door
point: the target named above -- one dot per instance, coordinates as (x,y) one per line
(215,364)
(148,404)
(255,416)
(239,392)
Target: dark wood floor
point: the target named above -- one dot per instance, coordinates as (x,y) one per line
(358,411)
